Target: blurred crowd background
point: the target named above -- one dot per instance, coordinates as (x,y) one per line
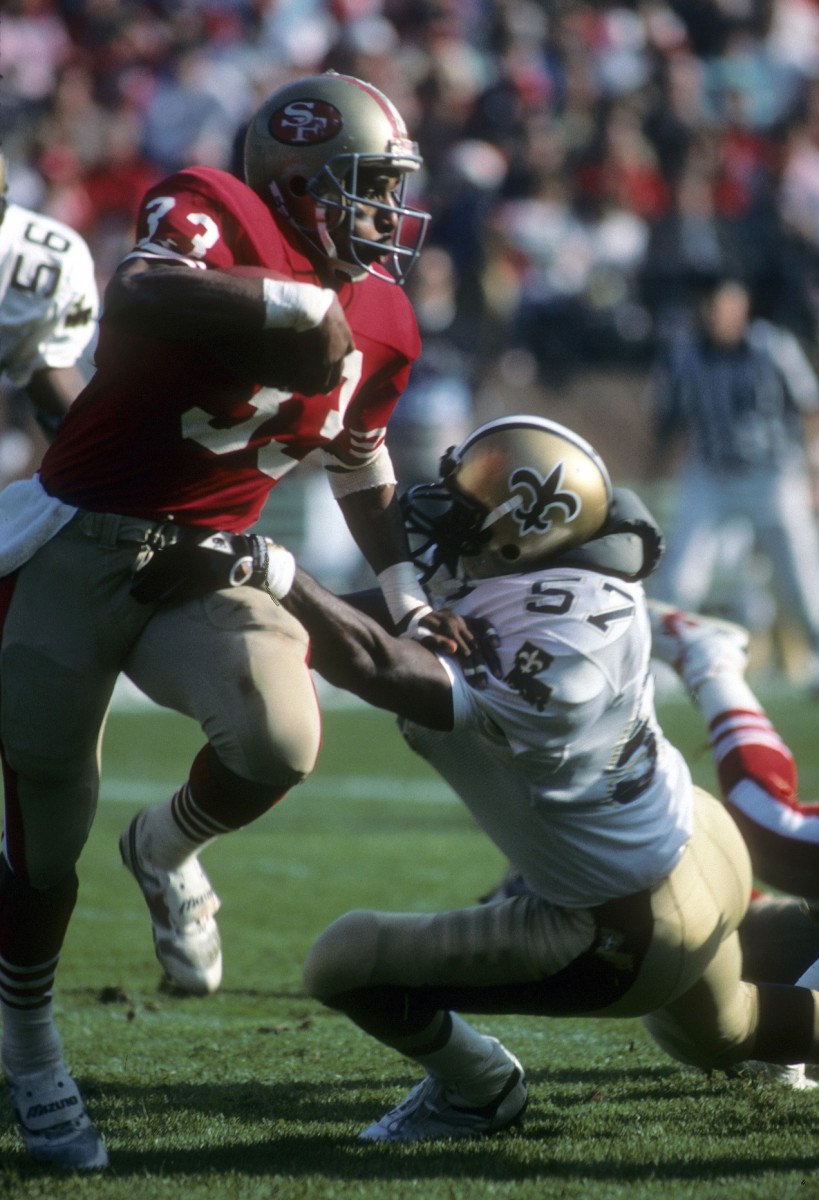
(585,164)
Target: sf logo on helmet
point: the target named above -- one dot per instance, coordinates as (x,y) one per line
(305,122)
(538,496)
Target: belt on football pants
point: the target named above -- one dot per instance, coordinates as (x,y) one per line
(603,973)
(625,912)
(113,529)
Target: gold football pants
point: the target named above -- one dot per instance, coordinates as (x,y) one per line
(670,954)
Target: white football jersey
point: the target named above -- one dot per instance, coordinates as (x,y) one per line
(49,302)
(562,761)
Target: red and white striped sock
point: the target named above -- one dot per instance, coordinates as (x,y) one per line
(176,830)
(746,746)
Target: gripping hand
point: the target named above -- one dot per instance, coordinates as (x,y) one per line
(472,640)
(181,562)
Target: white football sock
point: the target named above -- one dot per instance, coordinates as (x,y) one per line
(474,1065)
(162,839)
(721,693)
(30,1039)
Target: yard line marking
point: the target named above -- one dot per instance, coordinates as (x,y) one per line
(384,788)
(128,698)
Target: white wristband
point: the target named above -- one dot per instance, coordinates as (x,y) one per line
(416,628)
(402,591)
(291,305)
(279,572)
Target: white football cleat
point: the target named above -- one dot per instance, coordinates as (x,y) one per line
(182,904)
(52,1120)
(429,1113)
(793,1077)
(696,646)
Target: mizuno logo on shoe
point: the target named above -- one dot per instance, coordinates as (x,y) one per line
(189,905)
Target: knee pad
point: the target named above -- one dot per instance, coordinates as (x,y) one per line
(265,765)
(273,743)
(274,771)
(343,957)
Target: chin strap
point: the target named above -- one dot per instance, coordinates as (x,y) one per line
(630,544)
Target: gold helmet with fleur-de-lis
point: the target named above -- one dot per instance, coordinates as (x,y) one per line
(518,491)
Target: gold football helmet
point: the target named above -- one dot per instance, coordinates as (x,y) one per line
(304,152)
(518,491)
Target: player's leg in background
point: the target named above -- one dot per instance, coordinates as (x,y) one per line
(779,939)
(758,781)
(756,770)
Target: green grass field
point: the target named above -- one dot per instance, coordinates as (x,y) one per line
(258,1092)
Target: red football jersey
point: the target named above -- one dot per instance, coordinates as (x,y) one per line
(164,430)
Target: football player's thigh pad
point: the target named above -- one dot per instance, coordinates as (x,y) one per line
(524,939)
(237,664)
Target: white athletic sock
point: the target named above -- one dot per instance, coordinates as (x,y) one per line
(30,1039)
(164,841)
(721,693)
(472,1064)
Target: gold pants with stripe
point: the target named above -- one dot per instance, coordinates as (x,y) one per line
(670,955)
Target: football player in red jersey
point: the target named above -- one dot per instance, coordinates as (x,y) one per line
(251,325)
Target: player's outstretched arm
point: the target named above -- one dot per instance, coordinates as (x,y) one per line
(353,652)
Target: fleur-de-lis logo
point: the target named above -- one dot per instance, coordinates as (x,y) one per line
(529,660)
(539,496)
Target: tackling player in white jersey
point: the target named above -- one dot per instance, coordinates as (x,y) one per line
(49,306)
(637,881)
